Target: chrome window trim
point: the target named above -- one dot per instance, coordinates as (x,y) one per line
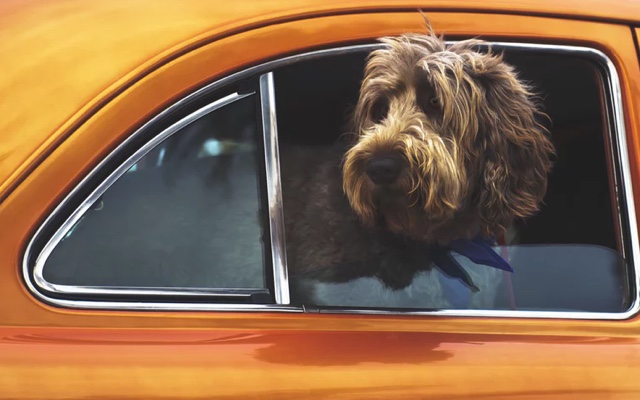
(76,216)
(617,139)
(274,189)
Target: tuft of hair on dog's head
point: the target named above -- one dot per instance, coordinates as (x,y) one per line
(449,142)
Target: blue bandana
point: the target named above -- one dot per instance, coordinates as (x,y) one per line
(479,251)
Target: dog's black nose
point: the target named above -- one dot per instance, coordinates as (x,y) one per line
(384,170)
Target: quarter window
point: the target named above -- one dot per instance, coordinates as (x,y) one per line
(186,218)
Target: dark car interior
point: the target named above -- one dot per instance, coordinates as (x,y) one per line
(314,99)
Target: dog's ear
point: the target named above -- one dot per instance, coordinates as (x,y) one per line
(515,151)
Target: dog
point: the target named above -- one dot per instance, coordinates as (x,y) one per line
(448,145)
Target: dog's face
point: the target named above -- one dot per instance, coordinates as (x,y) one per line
(444,134)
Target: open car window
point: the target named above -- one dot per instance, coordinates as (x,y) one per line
(573,256)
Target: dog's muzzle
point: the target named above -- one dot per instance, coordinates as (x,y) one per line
(384,170)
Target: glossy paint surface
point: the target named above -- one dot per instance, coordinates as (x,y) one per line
(64,58)
(47,352)
(305,364)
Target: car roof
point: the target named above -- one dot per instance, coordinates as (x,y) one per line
(59,56)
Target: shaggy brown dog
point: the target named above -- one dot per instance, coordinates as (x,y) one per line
(448,146)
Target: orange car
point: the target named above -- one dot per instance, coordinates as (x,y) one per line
(142,251)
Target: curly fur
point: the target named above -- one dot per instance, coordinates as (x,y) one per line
(467,127)
(473,158)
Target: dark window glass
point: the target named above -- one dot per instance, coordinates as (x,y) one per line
(186,215)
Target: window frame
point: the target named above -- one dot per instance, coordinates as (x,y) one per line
(619,170)
(103,187)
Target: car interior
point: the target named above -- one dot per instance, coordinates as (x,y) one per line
(314,99)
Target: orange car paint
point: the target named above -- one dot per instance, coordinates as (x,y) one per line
(103,45)
(78,102)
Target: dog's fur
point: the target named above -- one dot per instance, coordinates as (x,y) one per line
(473,156)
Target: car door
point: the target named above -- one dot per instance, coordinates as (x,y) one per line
(111,273)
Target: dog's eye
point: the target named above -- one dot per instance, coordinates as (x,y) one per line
(431,106)
(379,110)
(427,99)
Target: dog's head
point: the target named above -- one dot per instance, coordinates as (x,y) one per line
(444,133)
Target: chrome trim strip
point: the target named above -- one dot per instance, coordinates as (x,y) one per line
(619,145)
(613,89)
(59,289)
(240,293)
(274,189)
(574,315)
(167,306)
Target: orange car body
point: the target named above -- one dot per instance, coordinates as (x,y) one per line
(80,76)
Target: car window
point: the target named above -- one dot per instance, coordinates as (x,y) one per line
(571,256)
(205,206)
(186,215)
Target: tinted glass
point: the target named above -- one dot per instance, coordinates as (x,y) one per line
(188,214)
